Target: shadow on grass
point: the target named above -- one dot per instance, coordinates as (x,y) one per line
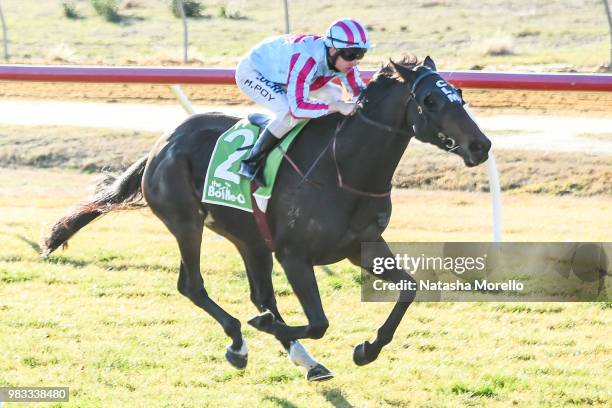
(145,267)
(64,260)
(123,20)
(32,244)
(108,265)
(327,270)
(335,397)
(281,402)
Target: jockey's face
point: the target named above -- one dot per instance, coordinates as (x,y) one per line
(343,65)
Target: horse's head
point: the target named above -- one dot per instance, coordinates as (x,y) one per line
(436,113)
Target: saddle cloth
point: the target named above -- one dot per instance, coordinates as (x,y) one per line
(223,185)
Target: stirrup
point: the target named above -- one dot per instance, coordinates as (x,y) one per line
(257,175)
(246,170)
(253,166)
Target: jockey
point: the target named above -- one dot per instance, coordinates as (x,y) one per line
(291,74)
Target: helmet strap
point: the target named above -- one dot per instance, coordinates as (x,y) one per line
(332,59)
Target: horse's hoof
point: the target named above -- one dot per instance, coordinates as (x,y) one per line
(361,356)
(264,322)
(319,373)
(237,360)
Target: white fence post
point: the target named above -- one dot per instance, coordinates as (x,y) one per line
(494,187)
(183,99)
(287,28)
(181,10)
(609,16)
(4,35)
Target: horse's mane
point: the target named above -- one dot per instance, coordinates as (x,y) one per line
(387,76)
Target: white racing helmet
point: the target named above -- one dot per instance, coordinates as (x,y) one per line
(347,33)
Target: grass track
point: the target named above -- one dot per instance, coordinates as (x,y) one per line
(104,318)
(559,34)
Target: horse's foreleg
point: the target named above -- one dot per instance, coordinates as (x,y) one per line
(300,275)
(367,352)
(258,263)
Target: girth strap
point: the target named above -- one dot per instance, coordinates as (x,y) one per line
(262,221)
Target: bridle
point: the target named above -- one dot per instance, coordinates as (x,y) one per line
(448,142)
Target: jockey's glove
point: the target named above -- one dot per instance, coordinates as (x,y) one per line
(345,108)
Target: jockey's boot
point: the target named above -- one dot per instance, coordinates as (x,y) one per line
(252,166)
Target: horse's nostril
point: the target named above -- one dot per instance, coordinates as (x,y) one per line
(476,146)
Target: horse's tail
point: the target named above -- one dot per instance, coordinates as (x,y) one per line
(112,193)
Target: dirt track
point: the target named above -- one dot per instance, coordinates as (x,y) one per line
(535,172)
(582,103)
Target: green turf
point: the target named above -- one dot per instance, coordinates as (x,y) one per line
(104,318)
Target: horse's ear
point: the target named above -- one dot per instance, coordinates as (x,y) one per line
(429,63)
(404,72)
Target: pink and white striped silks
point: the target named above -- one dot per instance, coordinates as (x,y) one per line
(299,65)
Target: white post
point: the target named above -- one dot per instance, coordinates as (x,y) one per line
(494,187)
(4,36)
(609,16)
(181,9)
(287,28)
(183,99)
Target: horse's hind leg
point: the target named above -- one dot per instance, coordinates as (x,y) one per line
(191,285)
(171,196)
(258,263)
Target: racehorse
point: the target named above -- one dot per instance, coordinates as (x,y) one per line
(316,219)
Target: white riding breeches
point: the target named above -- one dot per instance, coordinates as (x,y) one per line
(273,96)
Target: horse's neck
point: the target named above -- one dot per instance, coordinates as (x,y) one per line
(369,155)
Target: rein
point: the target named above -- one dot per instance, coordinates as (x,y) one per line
(332,142)
(349,188)
(381,125)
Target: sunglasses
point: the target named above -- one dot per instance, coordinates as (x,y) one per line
(352,54)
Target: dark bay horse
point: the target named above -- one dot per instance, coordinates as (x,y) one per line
(320,222)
